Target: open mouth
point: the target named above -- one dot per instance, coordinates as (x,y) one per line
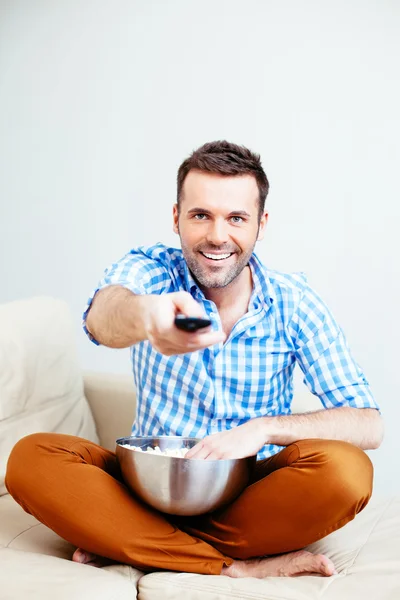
(220,257)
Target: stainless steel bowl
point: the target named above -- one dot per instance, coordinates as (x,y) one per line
(181,486)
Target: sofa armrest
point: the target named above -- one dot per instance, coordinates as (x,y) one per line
(112,399)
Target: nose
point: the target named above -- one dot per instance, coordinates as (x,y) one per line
(217,232)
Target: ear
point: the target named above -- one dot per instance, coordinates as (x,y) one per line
(175,216)
(261,229)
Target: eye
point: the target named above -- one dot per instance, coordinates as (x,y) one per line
(200,216)
(236,219)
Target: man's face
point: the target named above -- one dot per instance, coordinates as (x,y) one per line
(218,225)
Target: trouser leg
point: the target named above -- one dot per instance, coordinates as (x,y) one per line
(300,495)
(75,488)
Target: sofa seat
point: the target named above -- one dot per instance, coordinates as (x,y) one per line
(36,563)
(366,553)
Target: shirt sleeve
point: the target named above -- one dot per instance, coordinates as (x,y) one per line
(322,352)
(135,271)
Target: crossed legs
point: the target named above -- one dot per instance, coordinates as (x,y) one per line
(296,497)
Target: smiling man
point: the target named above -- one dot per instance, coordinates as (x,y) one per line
(230,385)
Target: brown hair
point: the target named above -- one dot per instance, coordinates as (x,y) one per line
(224,158)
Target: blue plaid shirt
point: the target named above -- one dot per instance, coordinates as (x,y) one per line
(251,374)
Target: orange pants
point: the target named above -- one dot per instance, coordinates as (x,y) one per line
(296,497)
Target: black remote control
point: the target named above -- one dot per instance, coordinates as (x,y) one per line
(191,323)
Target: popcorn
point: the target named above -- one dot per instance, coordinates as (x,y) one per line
(174,452)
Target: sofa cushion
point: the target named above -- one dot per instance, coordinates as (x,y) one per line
(38,577)
(21,531)
(41,385)
(26,571)
(366,553)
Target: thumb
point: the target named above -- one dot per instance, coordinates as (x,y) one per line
(185,304)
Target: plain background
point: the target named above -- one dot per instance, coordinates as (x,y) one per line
(101,100)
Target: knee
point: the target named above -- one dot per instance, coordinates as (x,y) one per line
(22,462)
(348,473)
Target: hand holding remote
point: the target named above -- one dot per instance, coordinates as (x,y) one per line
(172,323)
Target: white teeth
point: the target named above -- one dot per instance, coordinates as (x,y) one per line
(217,256)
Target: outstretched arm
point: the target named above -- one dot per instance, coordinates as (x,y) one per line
(118,319)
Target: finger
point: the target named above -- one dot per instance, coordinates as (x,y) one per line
(183,343)
(199,451)
(203,454)
(216,455)
(193,451)
(190,344)
(185,304)
(205,340)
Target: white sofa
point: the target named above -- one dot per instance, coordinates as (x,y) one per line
(42,389)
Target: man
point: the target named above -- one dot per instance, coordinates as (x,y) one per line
(230,385)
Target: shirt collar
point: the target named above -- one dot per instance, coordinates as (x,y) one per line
(263,292)
(190,284)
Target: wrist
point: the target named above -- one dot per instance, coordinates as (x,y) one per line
(272,429)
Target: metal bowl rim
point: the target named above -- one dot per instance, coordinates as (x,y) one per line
(177,437)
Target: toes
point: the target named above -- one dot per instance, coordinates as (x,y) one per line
(88,558)
(78,555)
(325,565)
(306,562)
(82,556)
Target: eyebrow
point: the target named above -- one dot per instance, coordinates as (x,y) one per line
(239,213)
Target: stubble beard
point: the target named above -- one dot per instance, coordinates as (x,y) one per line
(215,280)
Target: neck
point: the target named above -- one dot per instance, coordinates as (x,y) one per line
(236,292)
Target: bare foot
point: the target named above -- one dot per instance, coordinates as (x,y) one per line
(88,558)
(284,565)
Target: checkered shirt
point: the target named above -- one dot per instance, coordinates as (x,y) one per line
(250,375)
